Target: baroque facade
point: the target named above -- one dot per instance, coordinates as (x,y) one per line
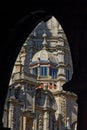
(36,99)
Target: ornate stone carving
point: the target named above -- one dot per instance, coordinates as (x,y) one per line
(40,121)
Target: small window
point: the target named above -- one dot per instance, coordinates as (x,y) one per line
(43,71)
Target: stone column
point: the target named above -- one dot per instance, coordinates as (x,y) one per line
(48,70)
(24,123)
(10,118)
(38,70)
(46,121)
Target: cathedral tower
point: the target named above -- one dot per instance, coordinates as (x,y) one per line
(35,99)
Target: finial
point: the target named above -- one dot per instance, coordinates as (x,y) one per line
(44,43)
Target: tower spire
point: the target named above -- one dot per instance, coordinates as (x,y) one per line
(44,43)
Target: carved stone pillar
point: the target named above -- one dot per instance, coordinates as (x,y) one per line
(24,123)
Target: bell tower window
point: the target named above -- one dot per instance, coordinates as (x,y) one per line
(43,71)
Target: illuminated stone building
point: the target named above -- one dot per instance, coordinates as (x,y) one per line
(36,99)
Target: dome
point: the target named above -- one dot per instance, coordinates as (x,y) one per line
(44,56)
(39,64)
